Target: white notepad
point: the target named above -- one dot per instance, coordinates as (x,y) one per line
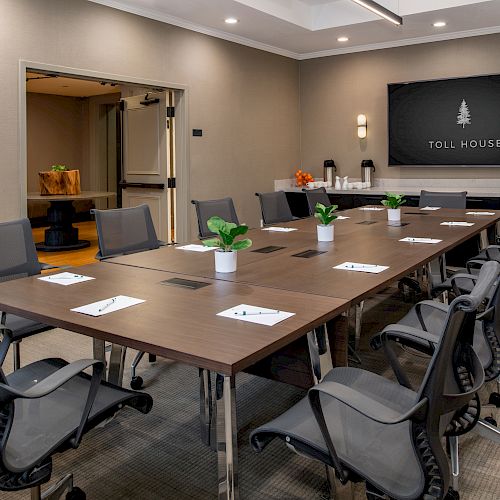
(66,278)
(254,314)
(430,208)
(196,248)
(457,223)
(364,268)
(340,217)
(373,209)
(107,306)
(479,213)
(411,239)
(279,229)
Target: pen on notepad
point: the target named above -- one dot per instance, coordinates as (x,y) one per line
(105,306)
(64,277)
(245,313)
(356,266)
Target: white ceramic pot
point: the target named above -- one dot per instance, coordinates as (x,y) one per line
(325,233)
(225,262)
(394,214)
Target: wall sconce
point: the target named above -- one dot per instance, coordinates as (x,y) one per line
(362,126)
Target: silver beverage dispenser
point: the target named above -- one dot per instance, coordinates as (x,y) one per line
(367,170)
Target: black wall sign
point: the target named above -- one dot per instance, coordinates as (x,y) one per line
(445,122)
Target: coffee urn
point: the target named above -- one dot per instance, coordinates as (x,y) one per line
(329,168)
(367,169)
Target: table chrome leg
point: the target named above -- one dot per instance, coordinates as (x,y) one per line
(227,439)
(455,466)
(319,352)
(116,363)
(484,240)
(358,321)
(338,491)
(206,419)
(99,353)
(16,351)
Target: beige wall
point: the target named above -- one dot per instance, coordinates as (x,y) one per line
(245,100)
(334,90)
(56,132)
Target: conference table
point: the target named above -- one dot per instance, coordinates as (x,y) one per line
(286,271)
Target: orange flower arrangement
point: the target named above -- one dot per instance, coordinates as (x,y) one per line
(302,178)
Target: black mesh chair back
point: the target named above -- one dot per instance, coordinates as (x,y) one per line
(314,196)
(125,230)
(442,199)
(274,207)
(223,208)
(18,256)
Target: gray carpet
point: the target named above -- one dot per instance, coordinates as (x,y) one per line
(160,456)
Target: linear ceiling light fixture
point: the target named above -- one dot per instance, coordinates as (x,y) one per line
(380,11)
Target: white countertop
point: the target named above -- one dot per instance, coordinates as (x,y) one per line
(487,188)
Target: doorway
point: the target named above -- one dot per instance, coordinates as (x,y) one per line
(110,143)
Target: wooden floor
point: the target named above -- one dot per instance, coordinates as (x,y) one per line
(87,231)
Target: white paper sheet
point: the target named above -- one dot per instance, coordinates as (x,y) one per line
(107,306)
(430,208)
(254,314)
(66,278)
(457,223)
(196,248)
(479,213)
(411,239)
(364,268)
(279,229)
(373,209)
(341,217)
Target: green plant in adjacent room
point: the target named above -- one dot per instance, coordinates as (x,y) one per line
(393,200)
(325,214)
(226,233)
(59,168)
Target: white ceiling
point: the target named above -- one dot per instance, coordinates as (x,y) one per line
(304,29)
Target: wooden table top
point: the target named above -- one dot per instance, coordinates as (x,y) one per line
(175,322)
(84,195)
(365,237)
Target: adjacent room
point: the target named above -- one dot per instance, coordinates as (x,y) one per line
(250,249)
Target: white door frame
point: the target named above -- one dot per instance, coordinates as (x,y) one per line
(182,131)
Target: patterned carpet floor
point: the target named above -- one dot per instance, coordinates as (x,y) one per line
(160,455)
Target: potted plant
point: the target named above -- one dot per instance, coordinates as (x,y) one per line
(59,180)
(225,255)
(393,203)
(325,215)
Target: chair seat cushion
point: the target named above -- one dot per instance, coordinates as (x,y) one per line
(382,454)
(22,327)
(44,426)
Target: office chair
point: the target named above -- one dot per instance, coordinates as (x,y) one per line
(18,259)
(274,207)
(442,199)
(122,231)
(314,196)
(45,408)
(383,433)
(223,208)
(125,230)
(421,328)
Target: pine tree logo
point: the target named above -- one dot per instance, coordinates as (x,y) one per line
(463,117)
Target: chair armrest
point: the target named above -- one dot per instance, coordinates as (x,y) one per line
(48,384)
(474,264)
(492,252)
(363,404)
(429,304)
(405,335)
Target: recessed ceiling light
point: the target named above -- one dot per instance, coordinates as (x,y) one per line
(342,39)
(231,20)
(439,24)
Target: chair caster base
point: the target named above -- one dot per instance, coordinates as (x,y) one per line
(491,421)
(136,383)
(495,399)
(76,494)
(452,495)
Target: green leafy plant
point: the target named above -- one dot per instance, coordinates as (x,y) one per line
(226,234)
(59,168)
(393,200)
(325,214)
